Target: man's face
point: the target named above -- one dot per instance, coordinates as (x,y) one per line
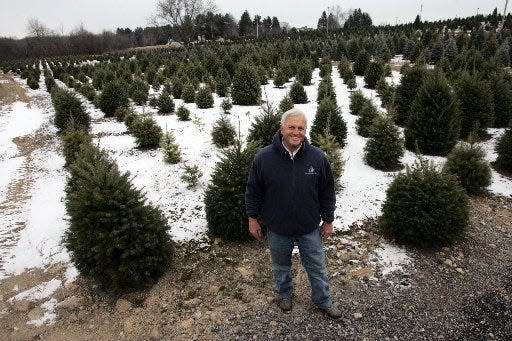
(294,131)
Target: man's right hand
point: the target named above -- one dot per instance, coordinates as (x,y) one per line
(254,228)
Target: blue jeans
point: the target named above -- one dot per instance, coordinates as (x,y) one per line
(313,259)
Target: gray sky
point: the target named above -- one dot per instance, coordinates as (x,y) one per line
(63,16)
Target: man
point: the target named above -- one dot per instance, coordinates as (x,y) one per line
(291,187)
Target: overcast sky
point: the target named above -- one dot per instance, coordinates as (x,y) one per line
(63,16)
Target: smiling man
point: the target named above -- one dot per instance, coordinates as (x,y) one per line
(291,188)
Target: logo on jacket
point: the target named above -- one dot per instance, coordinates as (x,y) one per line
(311,171)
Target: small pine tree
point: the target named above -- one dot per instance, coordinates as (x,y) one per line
(72,140)
(406,92)
(176,87)
(384,147)
(204,98)
(226,105)
(304,74)
(50,83)
(328,115)
(434,121)
(425,207)
(170,148)
(502,100)
(297,93)
(225,194)
(246,85)
(504,151)
(386,92)
(88,91)
(223,133)
(279,78)
(332,149)
(165,103)
(361,63)
(222,82)
(130,117)
(147,132)
(351,83)
(183,113)
(114,237)
(264,127)
(189,93)
(357,102)
(476,104)
(68,107)
(112,97)
(467,162)
(139,91)
(325,89)
(365,119)
(121,113)
(285,104)
(33,81)
(191,175)
(373,73)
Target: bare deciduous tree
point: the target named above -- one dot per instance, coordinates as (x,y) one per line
(179,13)
(36,28)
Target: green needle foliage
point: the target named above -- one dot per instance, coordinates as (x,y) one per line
(225,195)
(425,207)
(114,237)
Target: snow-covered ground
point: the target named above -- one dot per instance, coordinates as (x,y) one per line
(42,213)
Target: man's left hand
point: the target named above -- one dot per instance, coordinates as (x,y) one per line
(326,230)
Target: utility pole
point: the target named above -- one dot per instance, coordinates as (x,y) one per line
(504,14)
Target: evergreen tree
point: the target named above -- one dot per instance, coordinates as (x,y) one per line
(373,73)
(386,93)
(191,175)
(147,132)
(183,113)
(139,91)
(328,115)
(285,104)
(176,87)
(467,162)
(406,92)
(425,207)
(325,89)
(361,63)
(226,105)
(222,82)
(165,103)
(327,142)
(170,148)
(297,93)
(189,93)
(357,102)
(279,78)
(434,121)
(114,237)
(50,83)
(476,103)
(68,107)
(113,96)
(264,127)
(121,113)
(223,133)
(304,73)
(504,151)
(204,98)
(502,100)
(246,86)
(365,119)
(225,194)
(72,140)
(384,147)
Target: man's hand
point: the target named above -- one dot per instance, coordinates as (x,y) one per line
(254,228)
(326,230)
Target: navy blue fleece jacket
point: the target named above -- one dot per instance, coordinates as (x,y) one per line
(292,196)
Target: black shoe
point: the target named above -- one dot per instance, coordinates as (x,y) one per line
(285,303)
(332,311)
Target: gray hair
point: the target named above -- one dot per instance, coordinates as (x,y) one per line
(293,112)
